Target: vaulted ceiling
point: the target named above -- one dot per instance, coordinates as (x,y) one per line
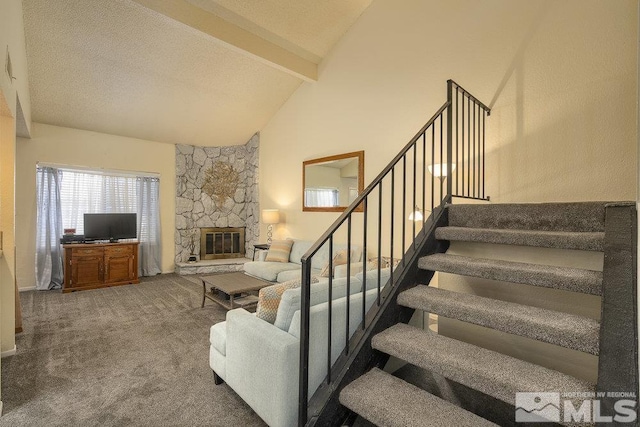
(199,72)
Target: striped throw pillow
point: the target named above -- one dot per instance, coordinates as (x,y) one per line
(339,258)
(270,296)
(279,251)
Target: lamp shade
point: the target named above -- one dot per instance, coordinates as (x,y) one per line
(440,169)
(270,216)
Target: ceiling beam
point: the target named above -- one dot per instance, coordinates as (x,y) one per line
(235,37)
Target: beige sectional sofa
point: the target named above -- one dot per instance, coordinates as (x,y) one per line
(260,360)
(285,271)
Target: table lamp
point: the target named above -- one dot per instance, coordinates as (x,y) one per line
(270,217)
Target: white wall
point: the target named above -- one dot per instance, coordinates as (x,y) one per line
(560,76)
(12,41)
(65,146)
(7,261)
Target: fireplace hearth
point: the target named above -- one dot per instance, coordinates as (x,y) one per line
(221,243)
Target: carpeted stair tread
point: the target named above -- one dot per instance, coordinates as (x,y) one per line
(581,216)
(586,241)
(566,330)
(388,401)
(568,279)
(492,373)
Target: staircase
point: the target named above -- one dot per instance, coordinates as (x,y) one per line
(560,226)
(445,381)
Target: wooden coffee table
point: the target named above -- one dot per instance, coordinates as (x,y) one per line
(232,290)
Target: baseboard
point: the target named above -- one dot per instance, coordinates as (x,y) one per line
(0,408)
(8,352)
(28,288)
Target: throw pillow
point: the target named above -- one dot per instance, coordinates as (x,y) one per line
(279,251)
(270,296)
(339,258)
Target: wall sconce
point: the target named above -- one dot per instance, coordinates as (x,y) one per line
(270,217)
(439,170)
(416,215)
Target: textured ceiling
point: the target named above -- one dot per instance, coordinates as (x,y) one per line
(313,25)
(117,67)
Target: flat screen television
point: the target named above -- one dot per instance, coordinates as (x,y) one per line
(110,226)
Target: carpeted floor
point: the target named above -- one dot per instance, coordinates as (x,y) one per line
(135,355)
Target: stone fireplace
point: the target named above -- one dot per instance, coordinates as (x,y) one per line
(221,242)
(216,188)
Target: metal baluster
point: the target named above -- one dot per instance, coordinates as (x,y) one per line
(462,193)
(433,165)
(364,255)
(348,282)
(480,154)
(393,189)
(413,225)
(449,138)
(457,136)
(404,206)
(441,164)
(329,319)
(379,238)
(474,150)
(484,115)
(303,390)
(468,147)
(424,177)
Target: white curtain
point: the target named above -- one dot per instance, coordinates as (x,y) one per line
(148,205)
(49,273)
(321,197)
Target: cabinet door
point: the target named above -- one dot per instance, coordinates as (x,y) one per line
(119,264)
(86,270)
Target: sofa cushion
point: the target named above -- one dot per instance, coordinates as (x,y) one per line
(268,270)
(321,258)
(319,327)
(290,300)
(354,268)
(279,251)
(269,298)
(372,278)
(340,258)
(285,276)
(218,337)
(300,247)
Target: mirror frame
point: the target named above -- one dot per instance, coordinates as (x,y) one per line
(356,154)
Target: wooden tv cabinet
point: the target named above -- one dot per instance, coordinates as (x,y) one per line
(96,265)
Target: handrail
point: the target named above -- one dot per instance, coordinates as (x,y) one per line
(475,100)
(469,183)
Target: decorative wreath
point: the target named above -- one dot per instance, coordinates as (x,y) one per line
(221,182)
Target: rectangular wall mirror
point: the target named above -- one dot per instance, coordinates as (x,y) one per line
(330,184)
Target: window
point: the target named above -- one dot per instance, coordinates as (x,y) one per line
(65,195)
(321,197)
(94,192)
